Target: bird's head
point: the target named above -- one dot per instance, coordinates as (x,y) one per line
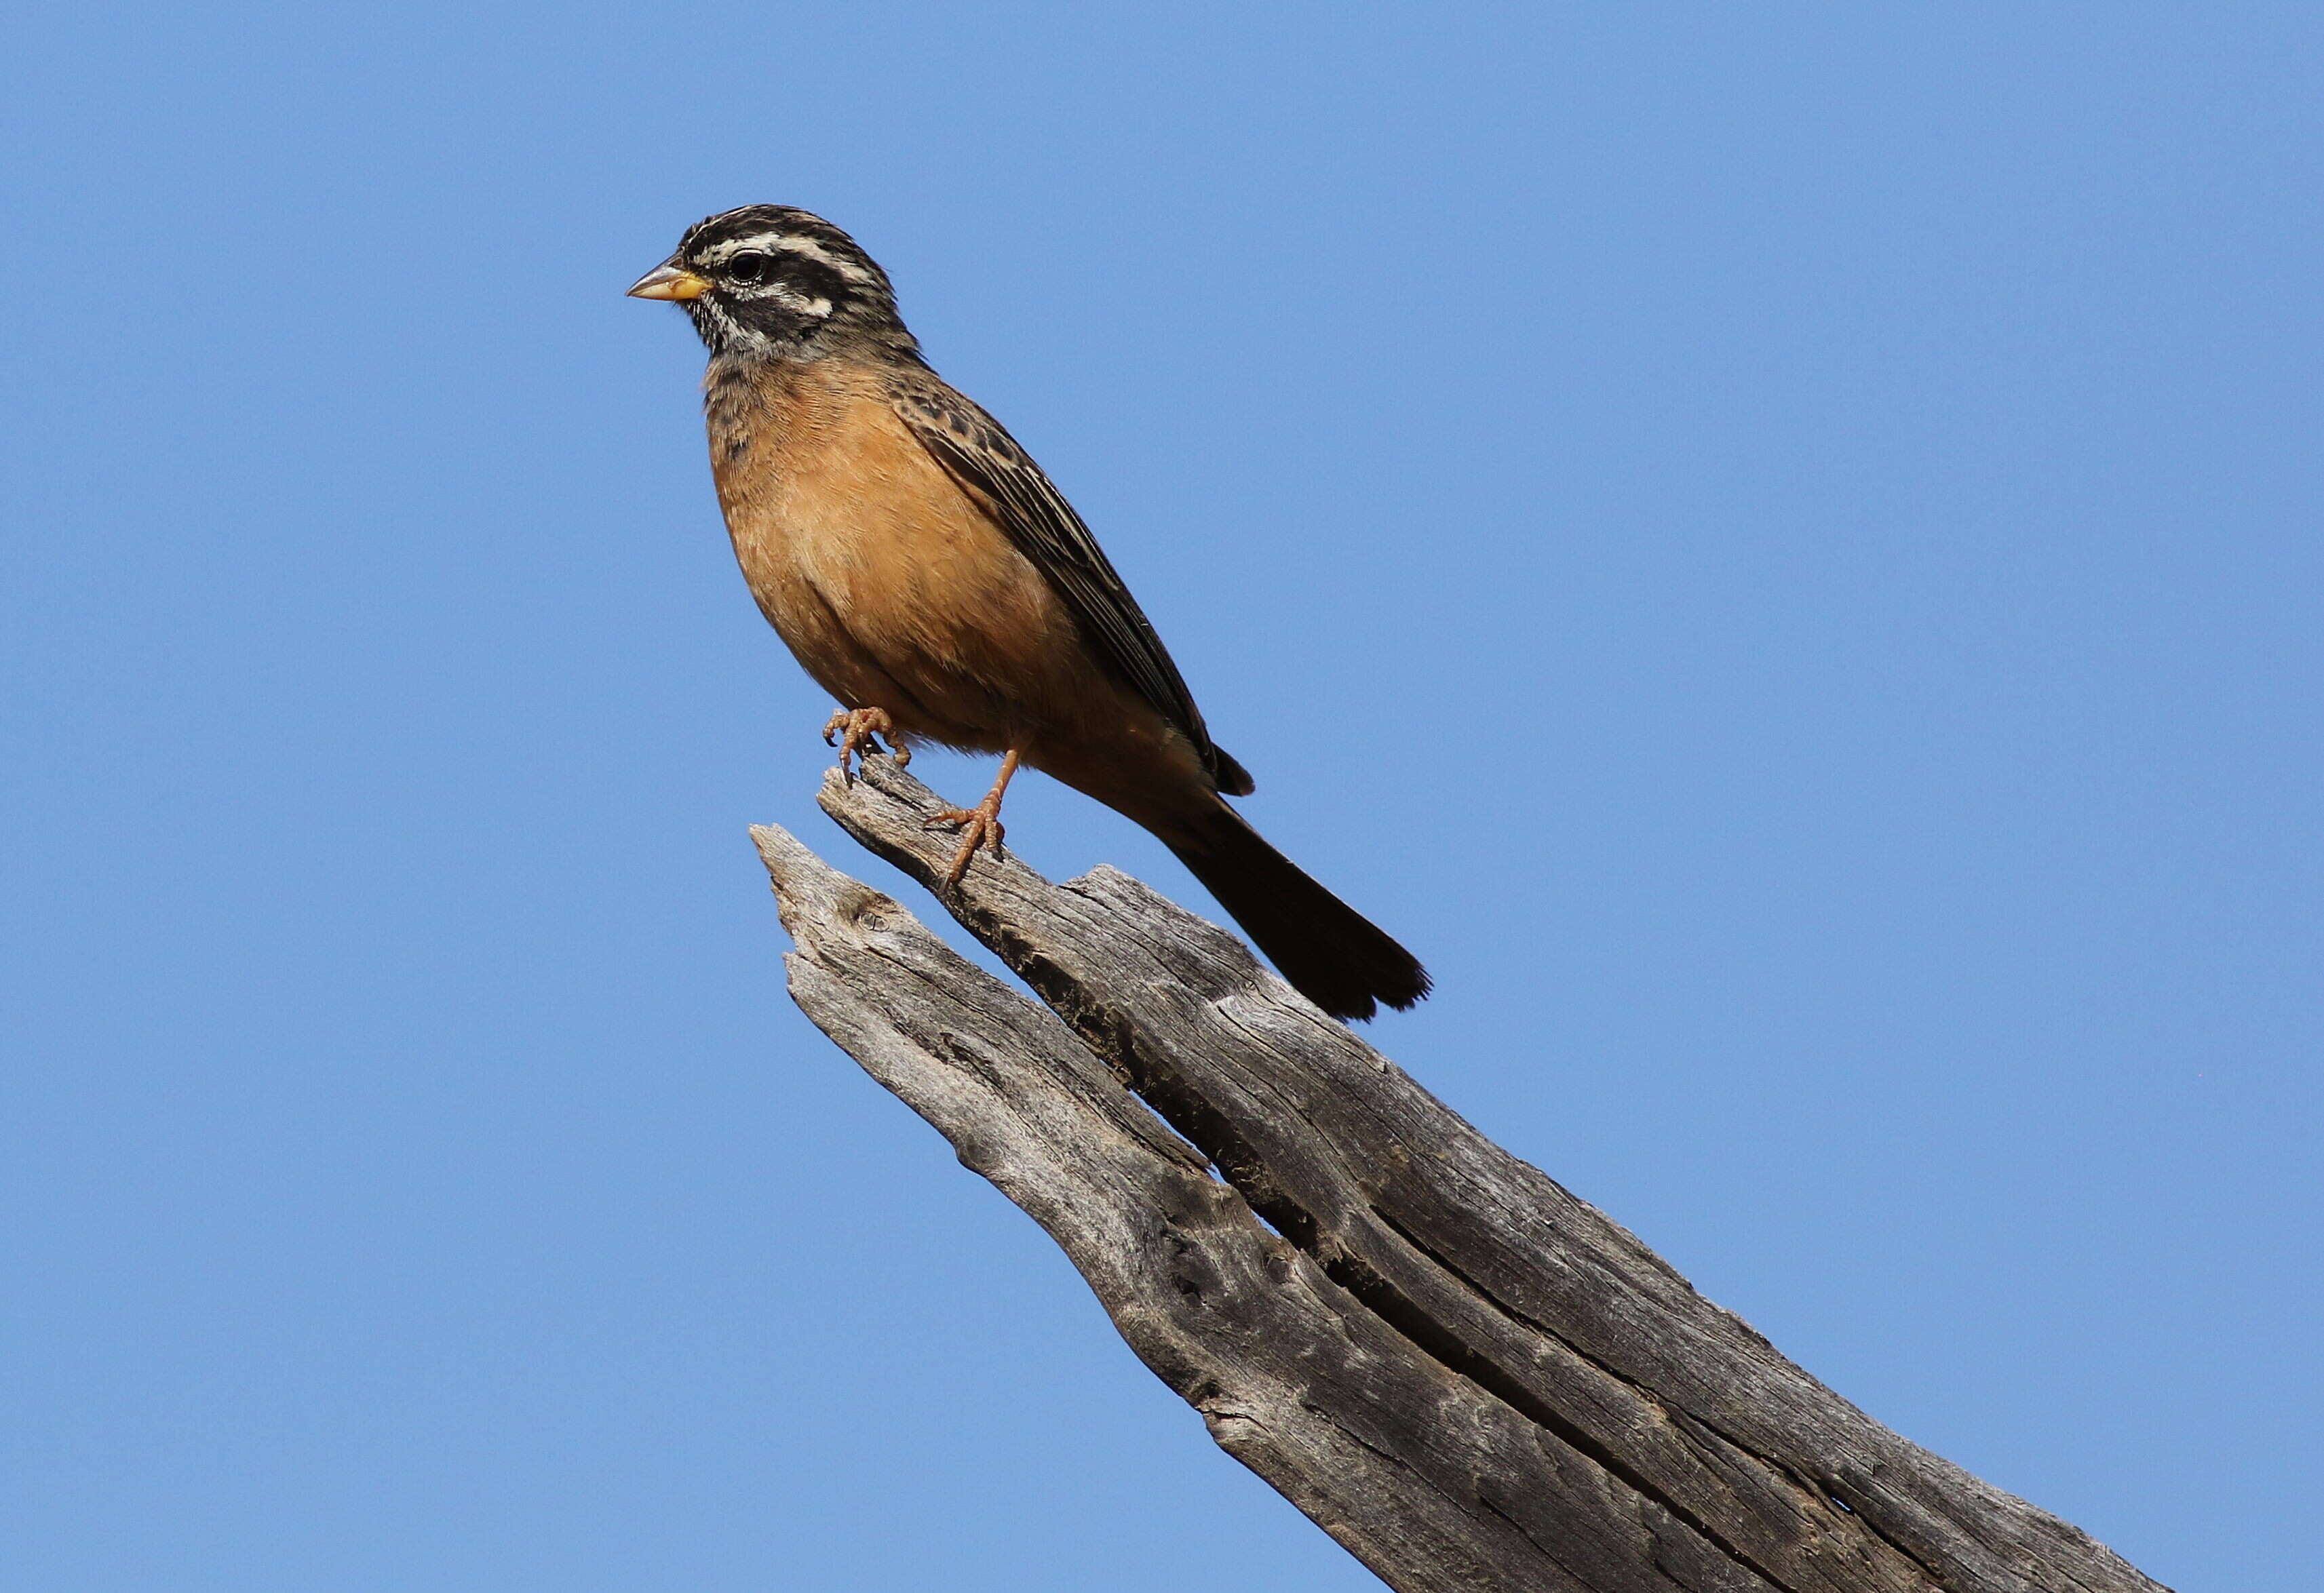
(770,282)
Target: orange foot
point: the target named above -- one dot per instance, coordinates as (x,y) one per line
(979,826)
(850,730)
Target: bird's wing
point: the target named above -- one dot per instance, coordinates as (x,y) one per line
(978,452)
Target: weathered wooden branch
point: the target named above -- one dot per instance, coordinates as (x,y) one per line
(1468,1376)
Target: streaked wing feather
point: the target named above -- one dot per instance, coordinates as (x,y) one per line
(979,452)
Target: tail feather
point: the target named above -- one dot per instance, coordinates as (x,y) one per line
(1326,950)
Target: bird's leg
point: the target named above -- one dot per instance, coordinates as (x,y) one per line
(979,826)
(853,729)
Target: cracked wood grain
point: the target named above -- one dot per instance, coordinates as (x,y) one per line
(1467,1375)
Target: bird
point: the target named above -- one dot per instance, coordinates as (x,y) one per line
(926,573)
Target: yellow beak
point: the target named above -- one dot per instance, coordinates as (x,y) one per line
(668,281)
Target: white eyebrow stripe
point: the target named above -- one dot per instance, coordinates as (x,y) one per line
(815,252)
(792,243)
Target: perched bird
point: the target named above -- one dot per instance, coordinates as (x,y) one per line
(927,574)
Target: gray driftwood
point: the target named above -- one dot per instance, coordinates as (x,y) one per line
(1468,1376)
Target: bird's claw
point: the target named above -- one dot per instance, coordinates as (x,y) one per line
(980,826)
(851,731)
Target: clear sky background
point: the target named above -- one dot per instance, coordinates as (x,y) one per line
(1777,545)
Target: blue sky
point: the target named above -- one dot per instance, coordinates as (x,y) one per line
(1775,546)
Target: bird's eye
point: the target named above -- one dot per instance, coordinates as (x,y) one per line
(751,268)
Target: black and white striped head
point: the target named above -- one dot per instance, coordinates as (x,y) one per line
(769,281)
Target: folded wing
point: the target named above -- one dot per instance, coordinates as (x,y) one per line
(979,453)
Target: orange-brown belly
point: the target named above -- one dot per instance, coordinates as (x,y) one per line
(888,582)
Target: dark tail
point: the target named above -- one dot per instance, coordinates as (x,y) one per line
(1328,951)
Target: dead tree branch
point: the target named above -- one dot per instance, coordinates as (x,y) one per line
(1468,1376)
